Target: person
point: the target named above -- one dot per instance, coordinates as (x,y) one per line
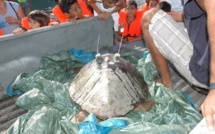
(165,6)
(106,8)
(130,21)
(130,34)
(87,10)
(149,4)
(153,3)
(56,2)
(35,19)
(70,10)
(192,54)
(26,6)
(11,15)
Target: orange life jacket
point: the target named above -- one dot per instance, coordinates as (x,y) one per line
(133,29)
(138,13)
(26,25)
(59,14)
(63,18)
(1,32)
(84,8)
(144,8)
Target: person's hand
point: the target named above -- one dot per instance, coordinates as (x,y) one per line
(73,20)
(107,15)
(104,16)
(208,109)
(86,16)
(101,16)
(121,27)
(54,24)
(19,31)
(11,20)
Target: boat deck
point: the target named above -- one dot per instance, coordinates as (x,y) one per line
(9,112)
(16,59)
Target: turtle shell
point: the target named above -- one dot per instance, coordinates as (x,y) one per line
(108,89)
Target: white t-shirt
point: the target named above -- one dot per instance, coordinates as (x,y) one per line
(115,15)
(6,27)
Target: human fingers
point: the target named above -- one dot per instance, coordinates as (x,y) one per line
(86,16)
(8,17)
(210,121)
(208,109)
(74,20)
(107,15)
(10,20)
(101,16)
(19,31)
(121,26)
(54,24)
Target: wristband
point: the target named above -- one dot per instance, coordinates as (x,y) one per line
(212,86)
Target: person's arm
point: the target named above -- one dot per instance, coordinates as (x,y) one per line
(161,63)
(177,16)
(12,20)
(92,3)
(137,38)
(208,106)
(119,5)
(21,15)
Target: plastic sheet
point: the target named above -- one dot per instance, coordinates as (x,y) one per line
(91,125)
(50,108)
(83,56)
(11,92)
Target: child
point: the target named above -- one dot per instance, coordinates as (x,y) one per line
(71,9)
(129,25)
(106,8)
(56,2)
(130,21)
(35,19)
(165,6)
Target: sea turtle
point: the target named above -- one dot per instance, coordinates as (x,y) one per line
(110,87)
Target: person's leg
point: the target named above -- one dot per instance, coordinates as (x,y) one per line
(160,61)
(166,38)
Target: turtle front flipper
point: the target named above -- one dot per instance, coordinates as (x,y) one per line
(79,117)
(146,106)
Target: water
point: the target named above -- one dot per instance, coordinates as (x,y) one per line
(176,4)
